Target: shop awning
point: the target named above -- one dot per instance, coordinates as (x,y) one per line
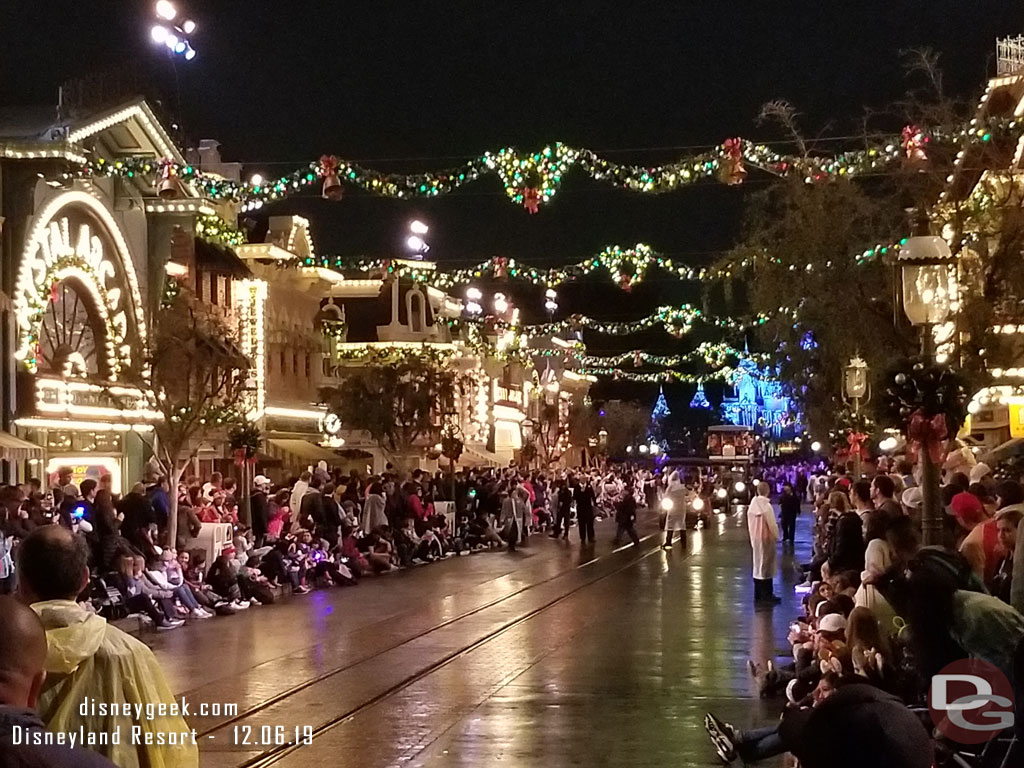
(303,449)
(1012,447)
(15,449)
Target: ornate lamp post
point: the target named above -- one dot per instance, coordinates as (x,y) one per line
(856,392)
(925,261)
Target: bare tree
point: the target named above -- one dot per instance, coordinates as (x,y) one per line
(200,381)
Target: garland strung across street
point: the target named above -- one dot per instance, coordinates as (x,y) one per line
(530,179)
(712,353)
(727,373)
(626,266)
(677,321)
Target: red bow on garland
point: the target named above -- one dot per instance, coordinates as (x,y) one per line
(929,434)
(328,165)
(856,441)
(531,199)
(913,143)
(731,170)
(241,458)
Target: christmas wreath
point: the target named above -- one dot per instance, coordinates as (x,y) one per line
(927,401)
(245,443)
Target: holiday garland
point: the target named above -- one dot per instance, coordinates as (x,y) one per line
(213,229)
(677,321)
(530,179)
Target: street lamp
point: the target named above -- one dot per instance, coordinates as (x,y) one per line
(166,31)
(415,242)
(855,383)
(856,387)
(925,262)
(815,446)
(550,302)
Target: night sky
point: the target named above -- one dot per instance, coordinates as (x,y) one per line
(410,86)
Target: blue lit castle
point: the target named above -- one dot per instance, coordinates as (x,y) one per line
(758,402)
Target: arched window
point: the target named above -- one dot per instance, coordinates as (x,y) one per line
(417,309)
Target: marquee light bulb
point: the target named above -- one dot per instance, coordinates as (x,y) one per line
(256,180)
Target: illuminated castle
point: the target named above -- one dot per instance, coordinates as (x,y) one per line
(758,401)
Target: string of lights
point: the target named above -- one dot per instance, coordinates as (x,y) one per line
(531,179)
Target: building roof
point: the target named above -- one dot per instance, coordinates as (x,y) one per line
(32,122)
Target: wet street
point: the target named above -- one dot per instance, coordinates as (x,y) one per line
(549,657)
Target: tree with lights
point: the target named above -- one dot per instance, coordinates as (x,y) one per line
(800,238)
(399,402)
(201,384)
(660,412)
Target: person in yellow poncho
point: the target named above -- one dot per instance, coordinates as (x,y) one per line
(92,663)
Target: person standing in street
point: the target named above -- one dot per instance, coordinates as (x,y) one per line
(677,500)
(259,511)
(625,517)
(764,535)
(789,508)
(563,508)
(585,500)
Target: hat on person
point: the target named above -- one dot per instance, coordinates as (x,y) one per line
(70,490)
(261,480)
(912,498)
(980,471)
(832,622)
(968,509)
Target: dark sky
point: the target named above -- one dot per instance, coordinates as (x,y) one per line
(408,86)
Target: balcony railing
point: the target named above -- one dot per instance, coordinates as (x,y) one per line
(1010,55)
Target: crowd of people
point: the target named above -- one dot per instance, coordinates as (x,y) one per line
(882,614)
(82,555)
(319,529)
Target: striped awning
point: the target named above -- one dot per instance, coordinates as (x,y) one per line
(15,449)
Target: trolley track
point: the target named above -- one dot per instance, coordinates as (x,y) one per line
(290,692)
(275,754)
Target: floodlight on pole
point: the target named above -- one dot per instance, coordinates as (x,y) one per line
(165,9)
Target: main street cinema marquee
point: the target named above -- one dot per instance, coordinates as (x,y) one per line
(81,330)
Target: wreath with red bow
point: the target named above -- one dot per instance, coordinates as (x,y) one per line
(927,401)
